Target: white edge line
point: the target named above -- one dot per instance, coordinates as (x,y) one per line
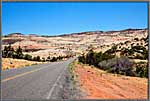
(55,84)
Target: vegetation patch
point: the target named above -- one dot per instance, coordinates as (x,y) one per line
(10,52)
(120,65)
(71,70)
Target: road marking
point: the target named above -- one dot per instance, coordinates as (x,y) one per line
(55,84)
(19,75)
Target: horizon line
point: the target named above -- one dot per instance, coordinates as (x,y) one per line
(74,32)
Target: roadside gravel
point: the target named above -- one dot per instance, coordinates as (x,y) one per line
(67,87)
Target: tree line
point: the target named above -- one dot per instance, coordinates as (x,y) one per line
(10,52)
(121,65)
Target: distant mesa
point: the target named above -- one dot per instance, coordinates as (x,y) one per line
(15,34)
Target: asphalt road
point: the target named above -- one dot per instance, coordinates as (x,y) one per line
(33,82)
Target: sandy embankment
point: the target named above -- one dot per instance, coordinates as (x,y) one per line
(101,85)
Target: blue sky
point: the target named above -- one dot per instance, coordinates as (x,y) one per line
(68,17)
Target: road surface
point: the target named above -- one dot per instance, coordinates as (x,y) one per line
(33,82)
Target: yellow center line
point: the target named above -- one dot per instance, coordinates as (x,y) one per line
(19,75)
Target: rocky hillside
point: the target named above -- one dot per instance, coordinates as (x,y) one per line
(75,43)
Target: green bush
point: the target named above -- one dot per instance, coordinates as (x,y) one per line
(8,51)
(112,50)
(90,58)
(81,59)
(93,58)
(37,58)
(122,65)
(139,49)
(19,54)
(27,57)
(142,69)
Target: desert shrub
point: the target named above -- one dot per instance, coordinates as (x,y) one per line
(145,39)
(119,47)
(14,55)
(112,50)
(48,58)
(137,44)
(138,56)
(127,42)
(34,58)
(121,43)
(145,54)
(106,56)
(90,58)
(37,58)
(142,69)
(81,59)
(136,39)
(93,58)
(124,51)
(97,58)
(139,49)
(110,63)
(19,54)
(53,59)
(118,65)
(132,44)
(43,59)
(8,51)
(59,57)
(130,52)
(27,57)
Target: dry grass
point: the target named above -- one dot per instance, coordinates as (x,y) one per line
(9,63)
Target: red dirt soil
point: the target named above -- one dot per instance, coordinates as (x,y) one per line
(102,85)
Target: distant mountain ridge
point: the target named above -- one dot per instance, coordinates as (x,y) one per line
(78,33)
(101,32)
(14,34)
